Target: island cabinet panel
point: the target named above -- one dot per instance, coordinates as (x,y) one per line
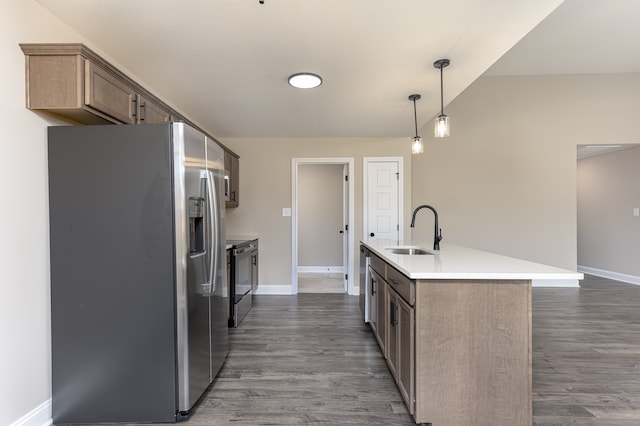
(401,345)
(379,324)
(377,272)
(473,353)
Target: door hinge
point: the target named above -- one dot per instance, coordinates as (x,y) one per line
(346,178)
(397,227)
(398,175)
(346,276)
(346,227)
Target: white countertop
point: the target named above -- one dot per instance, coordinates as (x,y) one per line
(455,262)
(235,237)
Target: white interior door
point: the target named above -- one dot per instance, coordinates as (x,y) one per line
(382,215)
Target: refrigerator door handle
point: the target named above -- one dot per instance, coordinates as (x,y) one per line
(213,216)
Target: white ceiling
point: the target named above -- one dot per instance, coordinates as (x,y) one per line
(225,63)
(579,37)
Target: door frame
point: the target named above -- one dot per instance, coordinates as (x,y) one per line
(349,269)
(365,196)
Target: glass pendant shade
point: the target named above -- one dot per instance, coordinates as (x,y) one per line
(416,146)
(442,126)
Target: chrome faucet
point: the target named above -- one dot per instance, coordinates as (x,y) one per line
(437,237)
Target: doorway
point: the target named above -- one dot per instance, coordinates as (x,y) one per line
(322,209)
(608,211)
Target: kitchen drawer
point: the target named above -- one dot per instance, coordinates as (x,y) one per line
(405,287)
(378,265)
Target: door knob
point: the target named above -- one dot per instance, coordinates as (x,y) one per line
(341,231)
(372,234)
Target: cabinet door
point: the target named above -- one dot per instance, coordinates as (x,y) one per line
(150,112)
(235,182)
(405,374)
(108,95)
(381,302)
(373,299)
(393,334)
(232,176)
(254,270)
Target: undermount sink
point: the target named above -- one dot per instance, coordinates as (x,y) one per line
(411,251)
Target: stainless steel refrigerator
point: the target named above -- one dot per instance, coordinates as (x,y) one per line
(139,297)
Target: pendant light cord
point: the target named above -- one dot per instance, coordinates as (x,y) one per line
(415,116)
(441,94)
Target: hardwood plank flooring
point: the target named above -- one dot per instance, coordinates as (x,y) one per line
(308,359)
(586,354)
(320,282)
(300,360)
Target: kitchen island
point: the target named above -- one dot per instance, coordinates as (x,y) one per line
(455,329)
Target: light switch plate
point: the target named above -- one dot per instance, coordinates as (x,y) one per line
(286,211)
(636,211)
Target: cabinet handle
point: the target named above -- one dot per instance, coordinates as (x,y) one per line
(373,287)
(135,107)
(143,108)
(392,314)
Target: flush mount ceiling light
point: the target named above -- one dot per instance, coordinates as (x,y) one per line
(305,80)
(416,146)
(442,127)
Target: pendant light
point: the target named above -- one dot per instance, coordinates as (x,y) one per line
(416,146)
(442,127)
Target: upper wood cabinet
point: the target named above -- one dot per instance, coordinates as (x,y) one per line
(73,82)
(231,179)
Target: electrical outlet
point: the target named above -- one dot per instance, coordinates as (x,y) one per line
(636,211)
(286,211)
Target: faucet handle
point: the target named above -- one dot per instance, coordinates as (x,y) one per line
(439,236)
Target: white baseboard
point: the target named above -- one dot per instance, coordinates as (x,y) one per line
(275,290)
(631,279)
(319,269)
(39,416)
(555,283)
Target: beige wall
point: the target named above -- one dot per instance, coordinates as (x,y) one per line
(25,358)
(25,365)
(505,181)
(608,233)
(265,188)
(320,215)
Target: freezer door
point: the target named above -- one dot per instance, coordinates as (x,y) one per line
(193,260)
(219,301)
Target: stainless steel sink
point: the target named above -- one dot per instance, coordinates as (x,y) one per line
(411,251)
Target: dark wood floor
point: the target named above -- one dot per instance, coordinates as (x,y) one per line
(307,359)
(586,359)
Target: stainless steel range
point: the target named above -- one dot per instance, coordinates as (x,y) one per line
(244,278)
